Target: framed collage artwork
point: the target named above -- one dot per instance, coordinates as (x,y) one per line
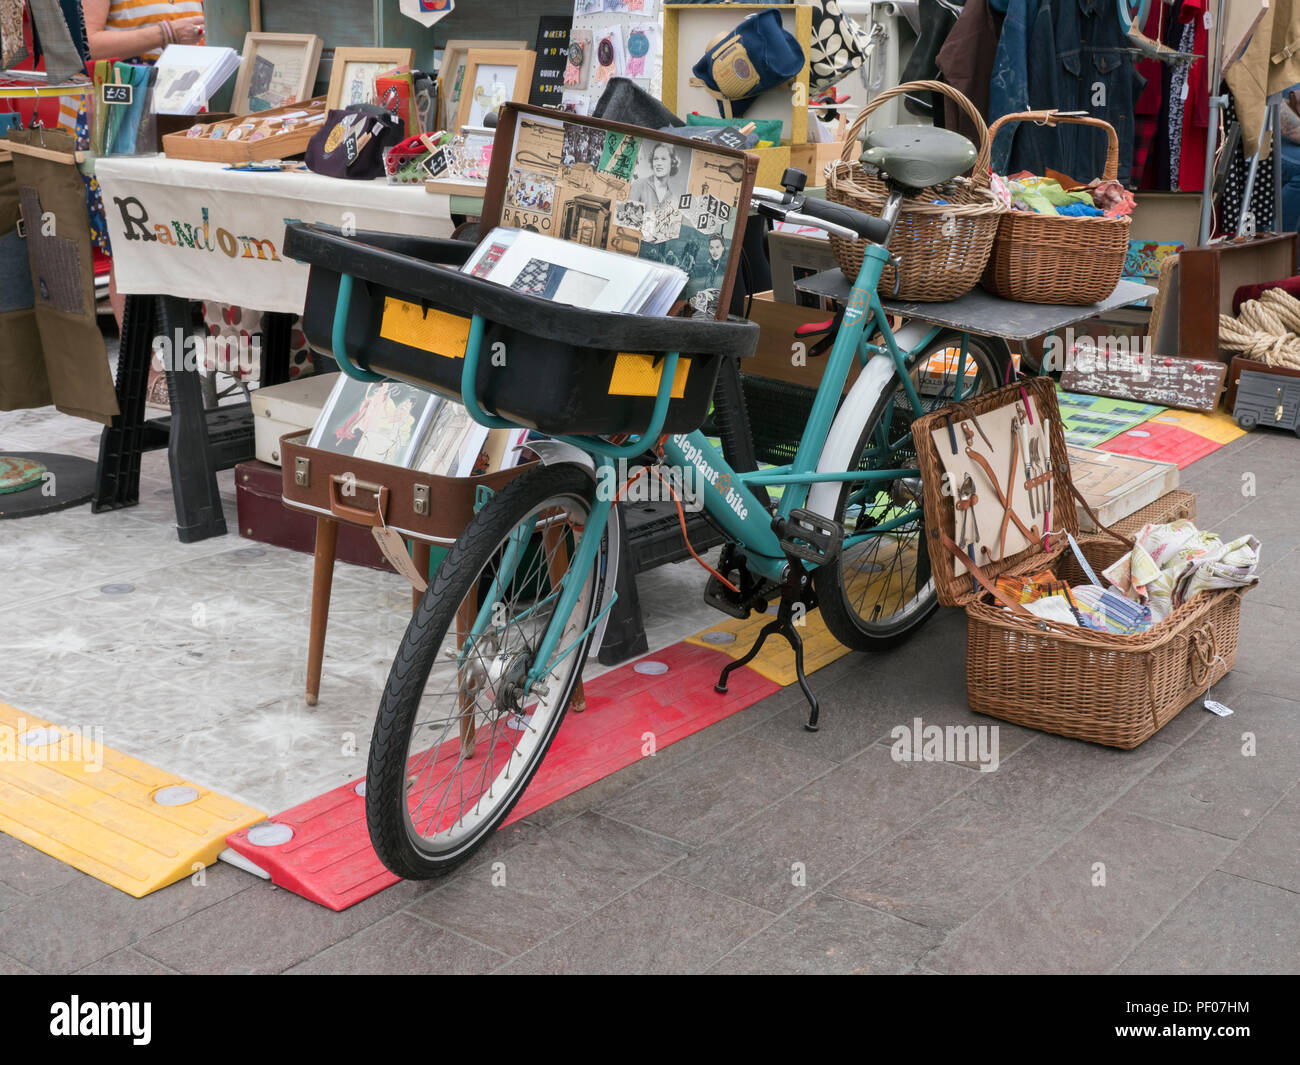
(607,185)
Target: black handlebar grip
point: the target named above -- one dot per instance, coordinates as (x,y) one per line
(865,225)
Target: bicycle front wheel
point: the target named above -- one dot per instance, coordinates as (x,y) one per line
(880,589)
(461,730)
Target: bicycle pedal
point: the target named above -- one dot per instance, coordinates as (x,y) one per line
(809,537)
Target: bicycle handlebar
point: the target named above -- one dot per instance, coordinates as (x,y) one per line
(833,218)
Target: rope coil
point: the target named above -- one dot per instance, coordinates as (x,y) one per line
(1266,330)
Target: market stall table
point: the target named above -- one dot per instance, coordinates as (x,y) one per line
(984,314)
(183,230)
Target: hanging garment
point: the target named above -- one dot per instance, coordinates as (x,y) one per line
(1151,101)
(966,62)
(63,58)
(1234,189)
(13,45)
(75,19)
(53,199)
(23,384)
(1182,111)
(1027,77)
(1190,176)
(1098,77)
(1271,65)
(937,19)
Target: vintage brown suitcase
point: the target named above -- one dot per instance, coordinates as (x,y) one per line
(264,517)
(361,492)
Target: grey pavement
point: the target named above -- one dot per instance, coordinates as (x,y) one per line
(756,847)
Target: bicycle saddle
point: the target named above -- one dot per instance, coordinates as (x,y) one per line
(918,156)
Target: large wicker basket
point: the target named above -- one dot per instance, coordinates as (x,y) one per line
(1039,258)
(943,246)
(1107,689)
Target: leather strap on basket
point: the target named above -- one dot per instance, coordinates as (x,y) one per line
(1054,118)
(1127,541)
(979,172)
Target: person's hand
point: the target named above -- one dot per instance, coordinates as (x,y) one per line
(188,30)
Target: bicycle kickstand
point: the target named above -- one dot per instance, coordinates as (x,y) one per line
(782,626)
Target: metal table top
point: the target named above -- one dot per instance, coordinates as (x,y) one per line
(982,313)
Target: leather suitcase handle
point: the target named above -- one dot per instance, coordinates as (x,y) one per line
(361,516)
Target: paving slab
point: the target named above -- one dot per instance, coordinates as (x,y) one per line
(707,795)
(546,882)
(663,926)
(1086,906)
(402,945)
(795,848)
(1217,784)
(829,936)
(1228,925)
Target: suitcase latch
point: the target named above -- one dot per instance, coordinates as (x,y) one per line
(420,504)
(302,471)
(1277,414)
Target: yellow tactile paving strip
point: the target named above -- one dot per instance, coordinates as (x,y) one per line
(94,808)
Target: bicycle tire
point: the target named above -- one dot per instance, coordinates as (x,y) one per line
(459,576)
(834,597)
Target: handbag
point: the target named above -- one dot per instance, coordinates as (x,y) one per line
(352,142)
(740,65)
(839,45)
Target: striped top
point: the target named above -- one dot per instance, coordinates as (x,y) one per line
(132,14)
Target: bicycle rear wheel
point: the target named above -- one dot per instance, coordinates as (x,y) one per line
(879,591)
(460,731)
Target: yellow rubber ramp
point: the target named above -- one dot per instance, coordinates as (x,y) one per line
(118,819)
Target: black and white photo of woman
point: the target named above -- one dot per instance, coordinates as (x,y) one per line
(661,175)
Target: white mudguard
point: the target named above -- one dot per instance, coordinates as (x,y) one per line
(877,376)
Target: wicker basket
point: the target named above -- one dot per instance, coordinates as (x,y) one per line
(1039,258)
(1107,689)
(943,247)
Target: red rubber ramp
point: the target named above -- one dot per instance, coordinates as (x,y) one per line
(321,849)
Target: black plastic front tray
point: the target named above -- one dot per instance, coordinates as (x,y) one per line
(558,370)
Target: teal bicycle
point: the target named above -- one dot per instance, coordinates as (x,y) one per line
(494,651)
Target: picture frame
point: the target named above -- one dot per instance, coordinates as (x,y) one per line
(276,69)
(451,69)
(354,66)
(383,422)
(493,77)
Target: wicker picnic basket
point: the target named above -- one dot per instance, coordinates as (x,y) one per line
(943,246)
(1039,258)
(1108,689)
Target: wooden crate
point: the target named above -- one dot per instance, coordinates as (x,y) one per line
(281,146)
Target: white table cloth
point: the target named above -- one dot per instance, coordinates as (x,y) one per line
(198,231)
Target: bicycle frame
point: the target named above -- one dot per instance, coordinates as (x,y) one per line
(732,502)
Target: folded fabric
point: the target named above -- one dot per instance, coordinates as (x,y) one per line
(1080,210)
(1105,610)
(1163,569)
(759,54)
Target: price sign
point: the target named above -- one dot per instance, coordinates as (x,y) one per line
(114,92)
